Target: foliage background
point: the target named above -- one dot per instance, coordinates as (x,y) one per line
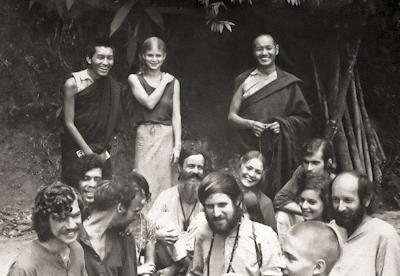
(42,44)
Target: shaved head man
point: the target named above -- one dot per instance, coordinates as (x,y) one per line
(310,248)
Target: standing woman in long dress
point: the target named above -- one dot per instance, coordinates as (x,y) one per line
(158,117)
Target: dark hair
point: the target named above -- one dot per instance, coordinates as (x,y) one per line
(110,193)
(218,182)
(186,152)
(318,144)
(320,184)
(101,41)
(54,200)
(147,45)
(82,166)
(140,181)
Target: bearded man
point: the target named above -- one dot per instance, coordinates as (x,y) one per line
(370,246)
(173,214)
(228,243)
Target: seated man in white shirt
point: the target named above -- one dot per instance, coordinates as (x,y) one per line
(371,246)
(173,214)
(228,243)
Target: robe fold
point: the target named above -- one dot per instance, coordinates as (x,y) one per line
(281,101)
(97,114)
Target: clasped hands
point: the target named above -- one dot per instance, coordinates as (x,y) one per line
(258,128)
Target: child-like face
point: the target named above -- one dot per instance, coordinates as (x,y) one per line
(297,262)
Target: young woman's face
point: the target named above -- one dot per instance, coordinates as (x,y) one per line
(311,205)
(154,58)
(251,172)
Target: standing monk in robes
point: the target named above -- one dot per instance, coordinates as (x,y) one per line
(91,111)
(270,113)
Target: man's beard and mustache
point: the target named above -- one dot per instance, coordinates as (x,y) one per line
(230,224)
(188,191)
(349,219)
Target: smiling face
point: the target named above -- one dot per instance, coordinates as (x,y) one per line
(101,62)
(154,58)
(311,205)
(88,184)
(265,50)
(66,231)
(348,210)
(251,172)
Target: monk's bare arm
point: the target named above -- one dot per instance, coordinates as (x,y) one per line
(240,122)
(176,121)
(70,90)
(148,101)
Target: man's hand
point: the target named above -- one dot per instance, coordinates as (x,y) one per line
(147,268)
(257,128)
(168,236)
(274,127)
(175,155)
(168,271)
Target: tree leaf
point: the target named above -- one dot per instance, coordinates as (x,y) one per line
(131,49)
(120,16)
(69,3)
(155,16)
(60,7)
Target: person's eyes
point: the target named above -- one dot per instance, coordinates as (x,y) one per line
(76,215)
(86,178)
(97,178)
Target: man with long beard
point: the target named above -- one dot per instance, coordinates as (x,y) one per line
(371,247)
(228,243)
(173,214)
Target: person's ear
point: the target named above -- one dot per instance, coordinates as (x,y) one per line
(367,201)
(319,267)
(277,49)
(179,167)
(121,209)
(88,60)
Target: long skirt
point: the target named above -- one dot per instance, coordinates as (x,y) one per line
(153,149)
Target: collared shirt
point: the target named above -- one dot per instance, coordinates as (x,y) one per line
(372,250)
(255,81)
(119,258)
(82,79)
(35,260)
(245,256)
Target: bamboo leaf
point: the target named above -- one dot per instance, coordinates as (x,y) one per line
(120,16)
(69,3)
(155,16)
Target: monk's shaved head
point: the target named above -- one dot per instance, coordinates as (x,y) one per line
(264,36)
(317,243)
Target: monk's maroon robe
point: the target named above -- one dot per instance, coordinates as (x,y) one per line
(97,113)
(282,101)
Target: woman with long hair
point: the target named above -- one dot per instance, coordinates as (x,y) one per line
(158,117)
(256,204)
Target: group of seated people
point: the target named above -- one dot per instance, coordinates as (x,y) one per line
(212,224)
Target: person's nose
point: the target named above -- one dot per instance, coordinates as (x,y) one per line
(310,167)
(217,212)
(70,223)
(341,206)
(305,205)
